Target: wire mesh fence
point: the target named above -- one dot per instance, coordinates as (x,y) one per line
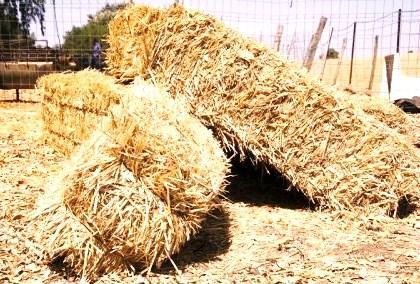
(61,35)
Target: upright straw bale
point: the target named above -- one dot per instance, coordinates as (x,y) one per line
(260,105)
(134,56)
(140,186)
(73,104)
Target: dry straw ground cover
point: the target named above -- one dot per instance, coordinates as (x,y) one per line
(138,188)
(260,105)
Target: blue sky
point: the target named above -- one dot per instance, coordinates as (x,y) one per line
(259,19)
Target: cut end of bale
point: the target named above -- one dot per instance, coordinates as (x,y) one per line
(73,104)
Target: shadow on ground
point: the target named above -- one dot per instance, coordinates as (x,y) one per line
(248,184)
(213,240)
(255,186)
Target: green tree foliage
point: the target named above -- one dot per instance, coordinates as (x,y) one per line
(78,41)
(16,17)
(332,53)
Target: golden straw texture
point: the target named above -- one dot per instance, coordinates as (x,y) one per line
(260,105)
(383,111)
(73,104)
(139,188)
(134,56)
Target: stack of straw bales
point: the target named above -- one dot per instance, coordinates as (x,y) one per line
(260,105)
(138,188)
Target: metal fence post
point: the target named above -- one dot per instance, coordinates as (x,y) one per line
(326,54)
(352,52)
(399,31)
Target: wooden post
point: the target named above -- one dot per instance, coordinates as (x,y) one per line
(291,45)
(277,40)
(17,95)
(316,37)
(389,67)
(326,54)
(340,60)
(375,54)
(352,53)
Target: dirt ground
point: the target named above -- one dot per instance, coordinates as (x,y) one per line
(263,235)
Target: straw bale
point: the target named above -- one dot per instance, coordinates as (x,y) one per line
(260,105)
(171,142)
(382,110)
(139,188)
(73,104)
(62,144)
(119,226)
(137,51)
(99,91)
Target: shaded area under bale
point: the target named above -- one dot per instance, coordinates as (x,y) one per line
(254,185)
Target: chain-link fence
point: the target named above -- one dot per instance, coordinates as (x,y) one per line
(70,35)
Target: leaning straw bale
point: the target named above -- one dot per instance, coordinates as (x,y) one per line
(140,186)
(73,104)
(262,106)
(383,111)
